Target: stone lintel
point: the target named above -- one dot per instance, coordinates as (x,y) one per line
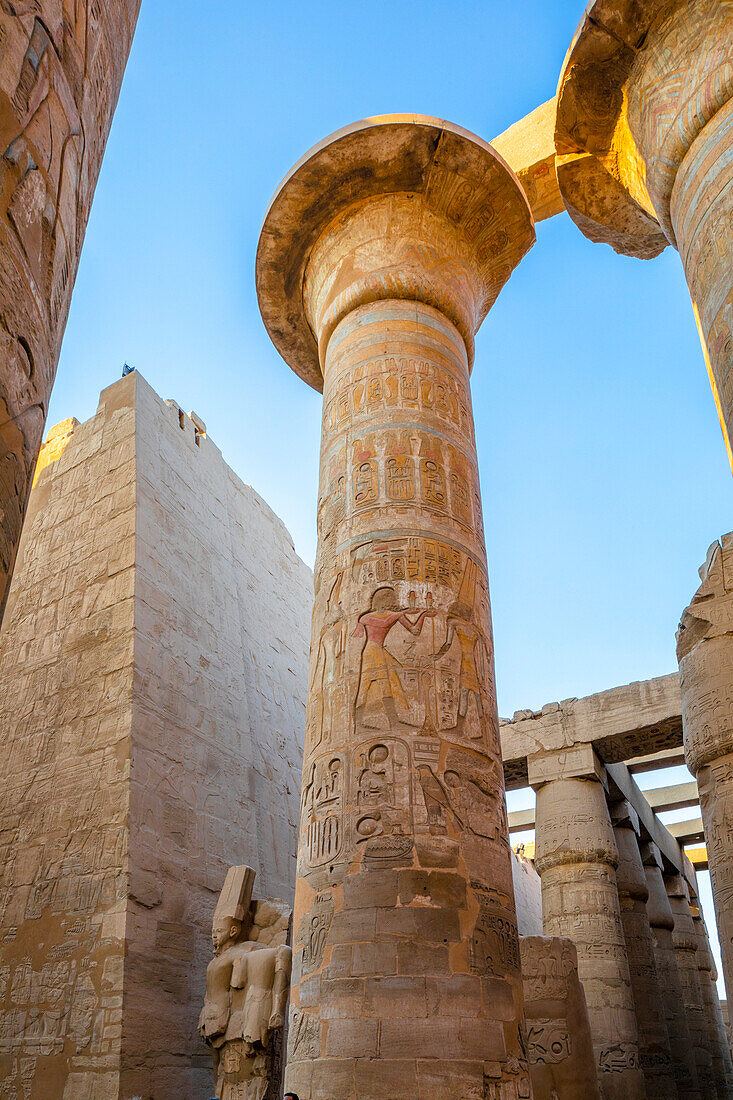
(528,147)
(577,762)
(621,723)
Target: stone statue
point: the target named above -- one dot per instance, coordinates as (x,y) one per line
(247,985)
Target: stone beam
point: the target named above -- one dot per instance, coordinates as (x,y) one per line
(661,800)
(528,147)
(622,785)
(620,724)
(655,761)
(687,832)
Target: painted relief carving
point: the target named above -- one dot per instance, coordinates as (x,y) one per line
(322,820)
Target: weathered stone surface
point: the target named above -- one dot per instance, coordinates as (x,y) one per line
(61,66)
(152,690)
(684,939)
(576,857)
(662,922)
(527,896)
(559,1044)
(380,257)
(705,654)
(643,130)
(247,986)
(633,892)
(528,147)
(714,1025)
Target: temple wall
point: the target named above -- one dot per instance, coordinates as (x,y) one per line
(152,686)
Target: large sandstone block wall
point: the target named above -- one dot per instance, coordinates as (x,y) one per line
(152,695)
(61,67)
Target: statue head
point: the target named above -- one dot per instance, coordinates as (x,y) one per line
(225,931)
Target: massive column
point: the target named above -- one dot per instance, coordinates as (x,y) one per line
(654,1051)
(644,135)
(380,256)
(665,956)
(61,67)
(576,858)
(685,945)
(705,655)
(714,1026)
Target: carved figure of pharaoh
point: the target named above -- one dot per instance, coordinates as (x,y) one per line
(559,1045)
(247,985)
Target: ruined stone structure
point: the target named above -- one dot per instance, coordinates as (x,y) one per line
(247,987)
(705,654)
(643,126)
(380,256)
(153,670)
(559,1045)
(61,66)
(616,882)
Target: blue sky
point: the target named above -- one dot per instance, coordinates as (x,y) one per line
(603,469)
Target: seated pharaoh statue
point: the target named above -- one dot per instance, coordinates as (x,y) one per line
(247,985)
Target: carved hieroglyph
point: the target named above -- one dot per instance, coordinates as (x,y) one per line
(645,153)
(247,984)
(576,858)
(662,922)
(705,655)
(559,1045)
(654,1051)
(61,66)
(380,256)
(714,1025)
(684,939)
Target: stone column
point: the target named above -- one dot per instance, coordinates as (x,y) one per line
(684,939)
(379,258)
(576,857)
(705,655)
(714,1024)
(662,925)
(61,67)
(633,892)
(644,132)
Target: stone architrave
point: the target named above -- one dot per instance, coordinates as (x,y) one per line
(559,1044)
(716,1036)
(661,921)
(380,256)
(684,939)
(61,67)
(576,858)
(247,985)
(643,137)
(633,892)
(705,655)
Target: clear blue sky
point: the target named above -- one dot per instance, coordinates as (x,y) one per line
(603,470)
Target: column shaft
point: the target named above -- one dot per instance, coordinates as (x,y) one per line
(654,1051)
(576,858)
(680,1040)
(685,945)
(714,1026)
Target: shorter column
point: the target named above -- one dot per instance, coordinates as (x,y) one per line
(576,857)
(705,656)
(685,945)
(714,1025)
(654,1051)
(662,924)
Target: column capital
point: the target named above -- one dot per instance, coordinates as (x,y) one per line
(396,207)
(630,105)
(577,762)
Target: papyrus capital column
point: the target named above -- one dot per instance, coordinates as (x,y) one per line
(705,656)
(714,1025)
(380,256)
(661,920)
(576,857)
(684,938)
(644,137)
(633,892)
